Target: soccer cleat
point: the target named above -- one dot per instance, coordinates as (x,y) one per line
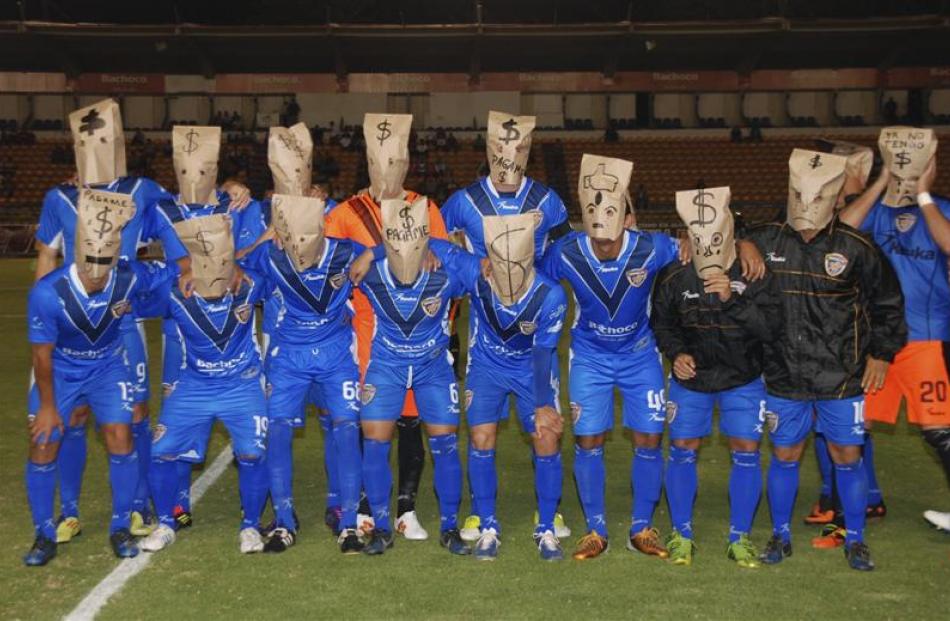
(42,552)
(451,540)
(775,551)
(365,524)
(141,525)
(831,536)
(647,541)
(561,529)
(251,540)
(876,511)
(350,542)
(160,538)
(938,520)
(279,539)
(123,544)
(680,549)
(859,556)
(182,517)
(379,542)
(409,527)
(590,546)
(472,528)
(486,548)
(822,512)
(743,552)
(67,528)
(549,547)
(332,517)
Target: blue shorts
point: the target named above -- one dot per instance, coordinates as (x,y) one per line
(433,382)
(326,376)
(133,338)
(104,387)
(841,420)
(314,395)
(195,402)
(638,376)
(741,411)
(486,394)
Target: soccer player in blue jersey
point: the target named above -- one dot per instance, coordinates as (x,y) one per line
(912,227)
(75,313)
(222,380)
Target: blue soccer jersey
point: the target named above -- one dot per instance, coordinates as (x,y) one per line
(465,209)
(57,227)
(612,298)
(247,224)
(921,267)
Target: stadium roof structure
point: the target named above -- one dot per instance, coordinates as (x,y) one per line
(386,36)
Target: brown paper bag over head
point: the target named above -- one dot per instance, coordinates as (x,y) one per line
(602,190)
(814,182)
(100,218)
(210,243)
(906,151)
(98,142)
(298,223)
(387,153)
(508,145)
(195,150)
(509,241)
(711,228)
(405,236)
(290,157)
(860,158)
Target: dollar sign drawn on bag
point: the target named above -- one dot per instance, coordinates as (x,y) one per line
(91,122)
(104,225)
(902,159)
(192,145)
(815,162)
(384,132)
(511,131)
(516,270)
(407,220)
(703,208)
(206,246)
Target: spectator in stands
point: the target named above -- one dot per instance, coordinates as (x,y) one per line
(346,140)
(451,142)
(611,135)
(890,111)
(755,131)
(138,138)
(736,134)
(440,141)
(643,199)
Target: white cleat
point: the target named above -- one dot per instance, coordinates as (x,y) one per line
(251,541)
(365,524)
(158,539)
(938,519)
(409,527)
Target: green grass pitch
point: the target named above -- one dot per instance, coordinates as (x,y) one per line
(204,577)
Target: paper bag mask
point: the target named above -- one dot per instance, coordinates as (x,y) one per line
(387,153)
(602,190)
(195,157)
(508,145)
(210,242)
(298,223)
(814,182)
(100,218)
(860,157)
(906,152)
(509,241)
(711,229)
(405,236)
(290,157)
(98,142)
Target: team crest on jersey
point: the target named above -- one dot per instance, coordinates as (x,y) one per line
(637,276)
(159,432)
(835,263)
(431,306)
(905,222)
(575,412)
(367,392)
(336,281)
(771,421)
(243,313)
(671,410)
(527,327)
(468,398)
(121,308)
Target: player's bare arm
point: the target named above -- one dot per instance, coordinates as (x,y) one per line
(47,417)
(855,212)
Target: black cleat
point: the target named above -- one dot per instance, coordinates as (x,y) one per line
(350,542)
(123,544)
(859,556)
(183,518)
(280,539)
(378,544)
(776,550)
(452,541)
(42,552)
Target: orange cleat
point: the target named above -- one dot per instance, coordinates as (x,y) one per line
(647,541)
(831,537)
(822,512)
(590,546)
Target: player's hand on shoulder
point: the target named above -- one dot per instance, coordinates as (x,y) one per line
(186,282)
(431,262)
(485,268)
(684,367)
(41,427)
(685,250)
(753,265)
(875,371)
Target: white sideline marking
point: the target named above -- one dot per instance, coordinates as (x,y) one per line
(99,596)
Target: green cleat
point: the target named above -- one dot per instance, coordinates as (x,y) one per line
(743,552)
(680,548)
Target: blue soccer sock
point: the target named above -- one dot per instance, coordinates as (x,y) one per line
(142,440)
(874,489)
(346,445)
(681,486)
(448,478)
(71,463)
(590,476)
(647,478)
(40,492)
(183,497)
(548,481)
(163,480)
(483,479)
(825,466)
(852,482)
(745,489)
(252,487)
(783,488)
(331,462)
(378,481)
(124,479)
(280,469)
